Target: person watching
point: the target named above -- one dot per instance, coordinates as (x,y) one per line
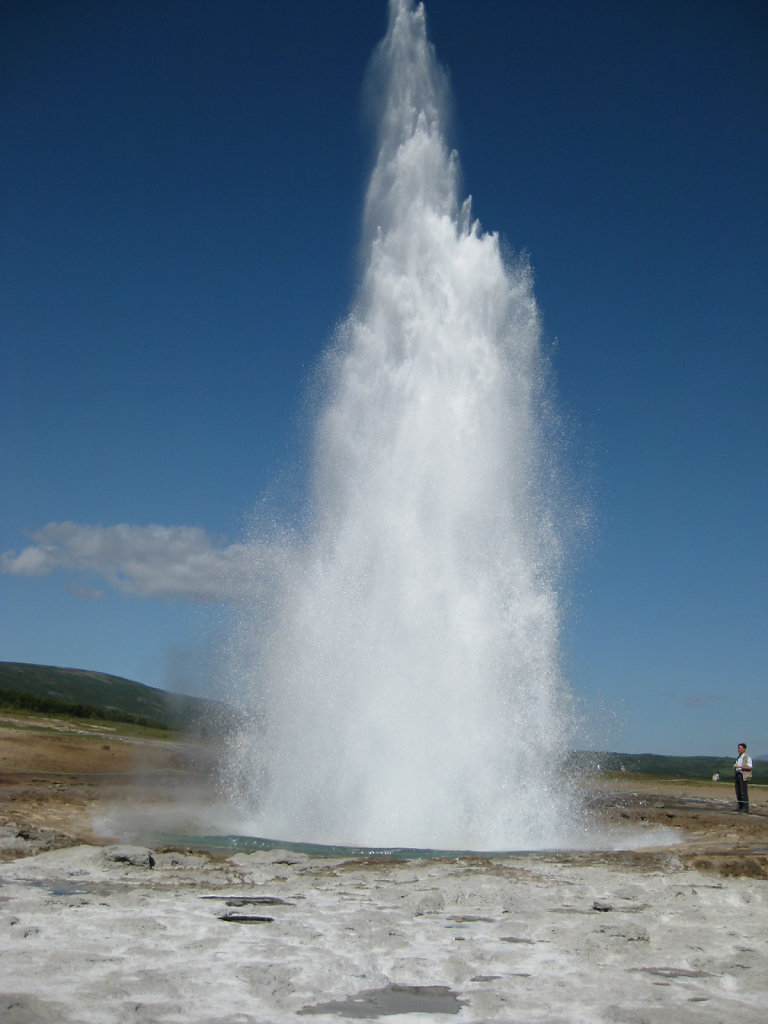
(742,773)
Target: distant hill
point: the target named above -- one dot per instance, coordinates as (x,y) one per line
(85,694)
(667,765)
(82,693)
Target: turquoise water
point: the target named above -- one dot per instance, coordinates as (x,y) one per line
(253,844)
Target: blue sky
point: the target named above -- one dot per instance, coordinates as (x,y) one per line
(181,195)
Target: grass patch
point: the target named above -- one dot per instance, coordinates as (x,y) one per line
(41,722)
(15,700)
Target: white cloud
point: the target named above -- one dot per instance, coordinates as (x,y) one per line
(146,561)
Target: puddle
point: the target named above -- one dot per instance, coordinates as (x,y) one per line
(246,918)
(55,888)
(590,841)
(255,901)
(392,1000)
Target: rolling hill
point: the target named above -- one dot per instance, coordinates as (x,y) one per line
(82,693)
(85,694)
(663,765)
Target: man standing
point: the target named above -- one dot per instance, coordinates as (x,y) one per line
(742,773)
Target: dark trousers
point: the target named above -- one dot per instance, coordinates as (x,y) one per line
(742,792)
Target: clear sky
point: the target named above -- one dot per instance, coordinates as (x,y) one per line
(181,191)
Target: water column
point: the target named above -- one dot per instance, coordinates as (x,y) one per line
(402,661)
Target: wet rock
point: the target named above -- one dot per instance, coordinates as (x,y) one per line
(137,856)
(671,972)
(18,841)
(432,903)
(258,901)
(179,861)
(246,919)
(602,906)
(24,1008)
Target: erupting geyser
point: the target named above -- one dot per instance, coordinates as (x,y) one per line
(400,657)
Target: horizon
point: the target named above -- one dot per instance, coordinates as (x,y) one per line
(220,700)
(182,205)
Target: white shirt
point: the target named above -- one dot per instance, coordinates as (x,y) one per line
(743,761)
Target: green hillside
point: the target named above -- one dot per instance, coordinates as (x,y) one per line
(85,694)
(51,690)
(666,765)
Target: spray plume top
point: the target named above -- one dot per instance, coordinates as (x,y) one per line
(414,168)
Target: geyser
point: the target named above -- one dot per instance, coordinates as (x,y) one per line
(399,658)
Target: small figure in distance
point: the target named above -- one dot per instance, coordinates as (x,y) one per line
(742,773)
(716,777)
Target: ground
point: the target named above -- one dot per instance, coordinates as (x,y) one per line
(99,928)
(58,782)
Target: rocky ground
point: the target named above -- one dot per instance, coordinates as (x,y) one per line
(60,784)
(96,928)
(58,780)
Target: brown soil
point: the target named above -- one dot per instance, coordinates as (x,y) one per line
(714,835)
(54,775)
